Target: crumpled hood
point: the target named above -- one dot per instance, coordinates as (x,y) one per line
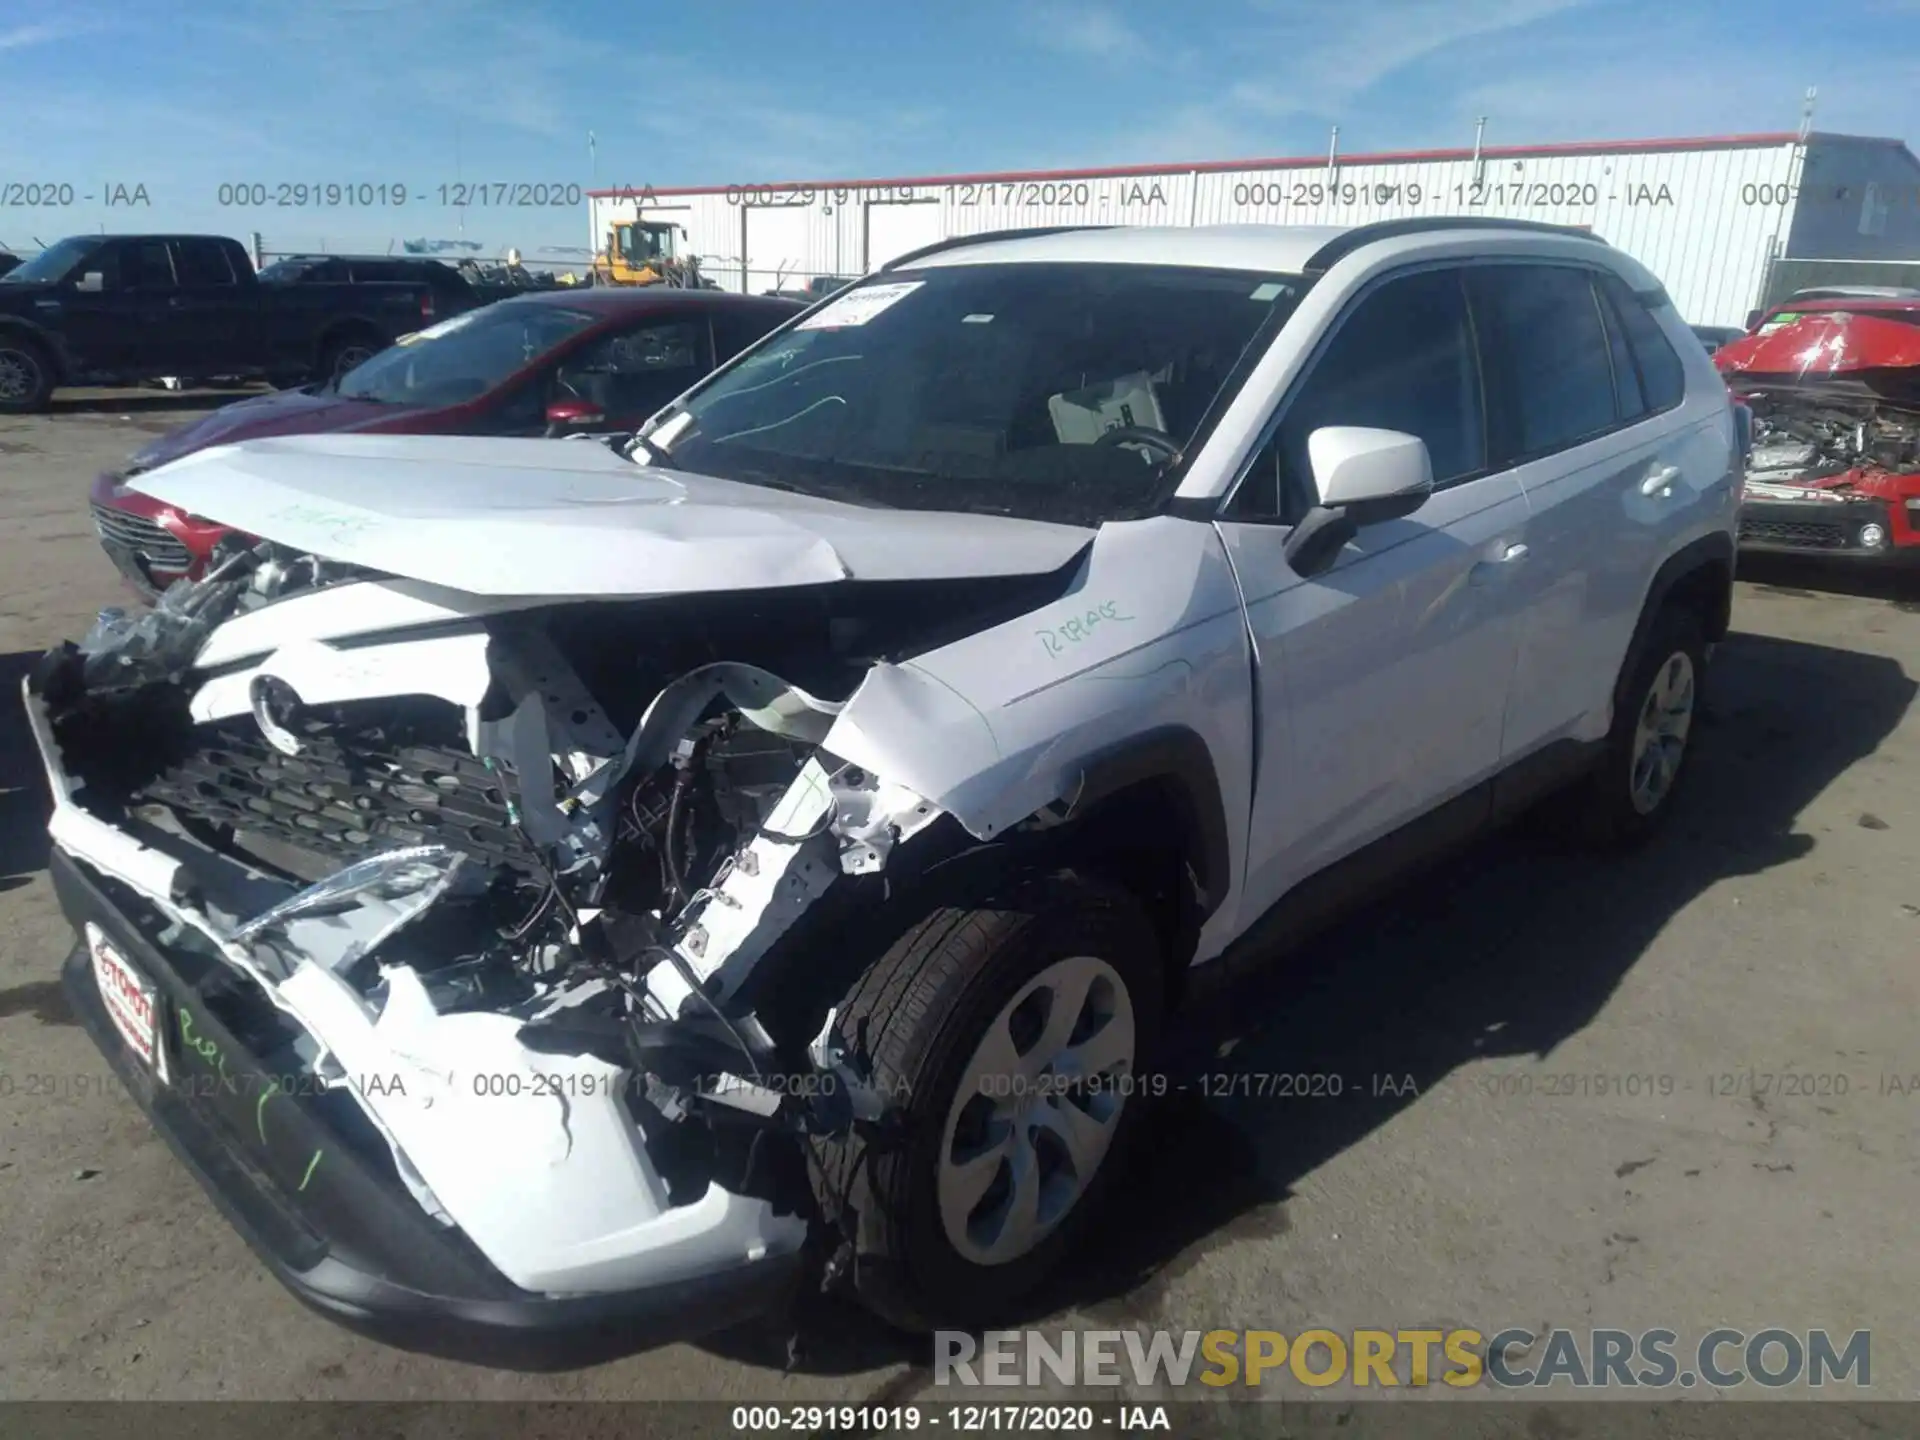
(572,518)
(284,412)
(1824,343)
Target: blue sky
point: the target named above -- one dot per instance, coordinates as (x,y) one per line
(181,98)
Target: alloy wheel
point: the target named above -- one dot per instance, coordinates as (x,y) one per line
(1036,1110)
(1660,733)
(19,375)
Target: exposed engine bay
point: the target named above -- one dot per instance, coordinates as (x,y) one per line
(1835,396)
(552,844)
(1813,436)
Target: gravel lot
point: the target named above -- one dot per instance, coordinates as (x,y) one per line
(1775,929)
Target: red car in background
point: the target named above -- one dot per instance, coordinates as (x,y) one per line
(1834,386)
(556,362)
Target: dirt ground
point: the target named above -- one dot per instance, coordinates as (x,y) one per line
(1774,930)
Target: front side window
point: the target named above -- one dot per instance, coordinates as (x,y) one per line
(1540,325)
(463,358)
(634,372)
(1051,391)
(144,265)
(1402,359)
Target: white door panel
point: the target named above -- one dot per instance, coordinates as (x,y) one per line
(1383,680)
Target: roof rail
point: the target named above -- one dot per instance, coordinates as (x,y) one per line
(1344,245)
(955,242)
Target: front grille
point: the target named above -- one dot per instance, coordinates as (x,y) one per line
(353,791)
(1806,534)
(140,536)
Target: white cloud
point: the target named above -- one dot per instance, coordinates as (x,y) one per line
(1318,61)
(1092,31)
(44,33)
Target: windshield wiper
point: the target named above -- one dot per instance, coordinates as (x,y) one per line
(847,494)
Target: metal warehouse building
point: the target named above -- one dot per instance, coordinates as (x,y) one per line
(1713,217)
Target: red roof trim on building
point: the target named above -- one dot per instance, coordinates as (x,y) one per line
(1292,162)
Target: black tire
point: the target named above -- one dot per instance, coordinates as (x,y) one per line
(344,352)
(1603,811)
(914,1020)
(26,376)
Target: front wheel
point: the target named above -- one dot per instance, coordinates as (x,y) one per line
(26,377)
(1011,1037)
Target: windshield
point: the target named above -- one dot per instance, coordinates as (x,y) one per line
(1051,391)
(641,243)
(51,263)
(464,357)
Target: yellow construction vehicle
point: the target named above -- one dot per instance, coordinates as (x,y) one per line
(646,252)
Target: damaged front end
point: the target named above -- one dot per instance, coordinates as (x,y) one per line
(1835,462)
(499,889)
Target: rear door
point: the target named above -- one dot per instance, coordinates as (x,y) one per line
(1382,680)
(1584,394)
(215,322)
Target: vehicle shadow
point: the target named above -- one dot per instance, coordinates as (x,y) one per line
(24,804)
(1505,952)
(1812,574)
(135,402)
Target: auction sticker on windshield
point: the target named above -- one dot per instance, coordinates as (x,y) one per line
(131,1000)
(860,306)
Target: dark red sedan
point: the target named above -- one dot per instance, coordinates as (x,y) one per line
(558,362)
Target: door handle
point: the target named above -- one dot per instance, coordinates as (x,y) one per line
(1483,569)
(1659,480)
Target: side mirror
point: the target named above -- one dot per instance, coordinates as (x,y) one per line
(1364,476)
(1354,466)
(1753,319)
(570,414)
(91,283)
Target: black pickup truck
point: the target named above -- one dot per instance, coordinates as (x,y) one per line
(114,309)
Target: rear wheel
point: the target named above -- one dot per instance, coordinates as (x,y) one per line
(344,354)
(1631,792)
(1010,1036)
(26,376)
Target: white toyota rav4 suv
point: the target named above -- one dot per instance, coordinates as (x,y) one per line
(548,886)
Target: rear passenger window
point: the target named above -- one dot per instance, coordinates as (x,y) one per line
(202,263)
(1630,402)
(1542,331)
(1662,376)
(1404,359)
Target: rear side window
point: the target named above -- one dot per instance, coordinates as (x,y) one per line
(200,262)
(1662,377)
(1402,360)
(1629,399)
(1542,332)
